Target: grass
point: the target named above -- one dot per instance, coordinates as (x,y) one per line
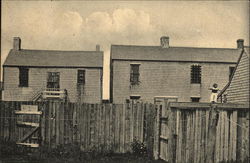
(71,153)
(114,158)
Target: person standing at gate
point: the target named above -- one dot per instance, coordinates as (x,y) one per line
(214,94)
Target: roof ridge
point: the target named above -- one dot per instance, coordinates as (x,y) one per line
(58,50)
(177,47)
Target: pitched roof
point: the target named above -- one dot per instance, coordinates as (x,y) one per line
(157,53)
(244,51)
(52,58)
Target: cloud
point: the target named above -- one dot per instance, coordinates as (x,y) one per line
(67,23)
(120,26)
(69,26)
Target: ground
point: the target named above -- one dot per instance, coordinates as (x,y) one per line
(115,158)
(12,153)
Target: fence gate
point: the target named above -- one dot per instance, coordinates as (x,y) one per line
(28,122)
(162,104)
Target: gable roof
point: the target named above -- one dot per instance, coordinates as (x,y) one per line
(185,54)
(243,51)
(52,58)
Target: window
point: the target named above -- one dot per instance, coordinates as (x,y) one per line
(195,99)
(23,77)
(134,74)
(231,70)
(53,80)
(135,97)
(81,77)
(196,74)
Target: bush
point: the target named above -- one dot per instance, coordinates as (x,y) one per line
(138,148)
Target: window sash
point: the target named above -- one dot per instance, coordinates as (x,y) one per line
(231,70)
(23,77)
(196,74)
(195,99)
(81,77)
(53,80)
(134,74)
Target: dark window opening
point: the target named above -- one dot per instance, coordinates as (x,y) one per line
(135,97)
(134,74)
(53,80)
(196,74)
(231,70)
(81,77)
(23,77)
(195,99)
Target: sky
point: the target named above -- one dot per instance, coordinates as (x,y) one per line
(80,25)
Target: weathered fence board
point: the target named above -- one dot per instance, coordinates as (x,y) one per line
(187,128)
(204,132)
(103,127)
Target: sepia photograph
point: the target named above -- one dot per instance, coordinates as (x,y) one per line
(124,81)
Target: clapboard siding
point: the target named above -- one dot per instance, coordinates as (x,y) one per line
(38,81)
(166,79)
(238,90)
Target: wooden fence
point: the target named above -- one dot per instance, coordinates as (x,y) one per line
(203,132)
(186,132)
(100,127)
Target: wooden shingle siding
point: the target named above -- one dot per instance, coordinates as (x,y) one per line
(38,81)
(238,91)
(166,79)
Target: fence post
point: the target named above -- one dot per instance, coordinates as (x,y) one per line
(157,131)
(212,123)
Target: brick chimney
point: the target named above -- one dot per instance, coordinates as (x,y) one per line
(97,48)
(16,43)
(165,42)
(240,43)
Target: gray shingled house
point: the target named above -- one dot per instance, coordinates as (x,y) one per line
(32,74)
(237,89)
(150,72)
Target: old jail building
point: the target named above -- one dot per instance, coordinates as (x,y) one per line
(34,74)
(146,72)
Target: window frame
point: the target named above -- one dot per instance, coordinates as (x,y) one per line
(82,81)
(192,98)
(48,79)
(195,74)
(134,76)
(23,77)
(231,71)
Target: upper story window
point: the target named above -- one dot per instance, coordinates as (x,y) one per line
(134,74)
(23,77)
(196,74)
(231,70)
(53,80)
(81,77)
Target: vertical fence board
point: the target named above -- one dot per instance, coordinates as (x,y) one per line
(226,137)
(234,120)
(112,127)
(1,118)
(127,124)
(123,127)
(57,123)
